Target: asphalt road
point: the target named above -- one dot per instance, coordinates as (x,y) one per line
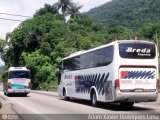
(38,106)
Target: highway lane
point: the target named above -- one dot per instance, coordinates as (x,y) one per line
(44,107)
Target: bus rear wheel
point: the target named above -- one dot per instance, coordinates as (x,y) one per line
(65,96)
(4,93)
(8,94)
(94,101)
(127,104)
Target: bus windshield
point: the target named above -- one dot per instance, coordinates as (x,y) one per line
(137,50)
(18,74)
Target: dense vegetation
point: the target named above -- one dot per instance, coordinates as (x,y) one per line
(41,42)
(132,14)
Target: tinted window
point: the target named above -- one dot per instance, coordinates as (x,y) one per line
(97,58)
(67,65)
(18,74)
(83,61)
(108,55)
(137,50)
(104,56)
(90,62)
(76,63)
(72,64)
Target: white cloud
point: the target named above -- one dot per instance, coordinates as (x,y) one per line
(29,7)
(1,62)
(21,7)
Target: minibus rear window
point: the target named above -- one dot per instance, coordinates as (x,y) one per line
(19,74)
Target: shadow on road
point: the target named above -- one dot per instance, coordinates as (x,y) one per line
(111,106)
(18,95)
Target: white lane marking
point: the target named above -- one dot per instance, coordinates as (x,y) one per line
(25,106)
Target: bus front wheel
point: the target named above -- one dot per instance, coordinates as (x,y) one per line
(7,94)
(65,96)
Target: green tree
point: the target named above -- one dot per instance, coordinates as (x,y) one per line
(120,33)
(35,61)
(133,14)
(46,9)
(2,45)
(64,6)
(151,32)
(74,11)
(38,43)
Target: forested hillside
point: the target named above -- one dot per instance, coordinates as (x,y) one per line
(132,14)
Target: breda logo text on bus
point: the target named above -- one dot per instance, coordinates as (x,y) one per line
(140,52)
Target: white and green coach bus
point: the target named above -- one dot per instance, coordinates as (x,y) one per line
(124,71)
(16,80)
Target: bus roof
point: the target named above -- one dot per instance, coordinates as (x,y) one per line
(17,68)
(102,46)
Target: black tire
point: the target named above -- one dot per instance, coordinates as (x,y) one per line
(127,105)
(94,101)
(24,95)
(65,96)
(8,94)
(4,93)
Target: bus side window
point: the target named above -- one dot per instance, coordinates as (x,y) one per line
(64,65)
(83,61)
(68,65)
(108,55)
(99,57)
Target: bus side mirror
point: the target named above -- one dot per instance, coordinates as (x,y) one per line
(57,70)
(2,76)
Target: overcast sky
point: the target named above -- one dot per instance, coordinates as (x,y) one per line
(28,8)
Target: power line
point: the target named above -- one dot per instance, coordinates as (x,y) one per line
(10,19)
(15,15)
(12,15)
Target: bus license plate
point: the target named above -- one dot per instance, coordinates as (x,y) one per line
(138,90)
(18,91)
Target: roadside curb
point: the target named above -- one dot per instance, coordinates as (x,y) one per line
(49,93)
